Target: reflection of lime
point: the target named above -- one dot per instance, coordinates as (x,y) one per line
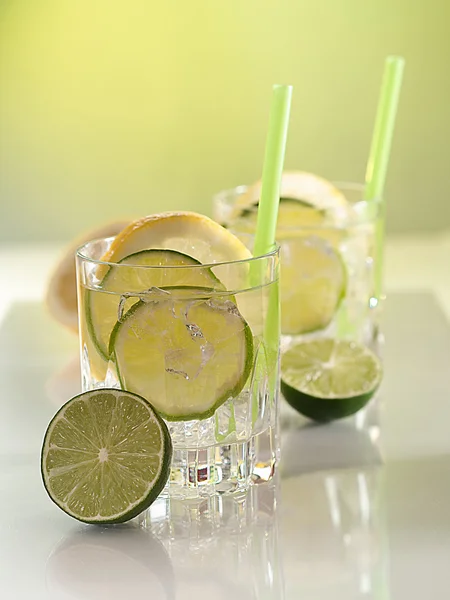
(186,350)
(329,379)
(312,284)
(106,456)
(102,305)
(110,563)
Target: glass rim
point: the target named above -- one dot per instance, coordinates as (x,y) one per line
(79,254)
(354,186)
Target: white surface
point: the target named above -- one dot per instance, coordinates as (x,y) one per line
(342,526)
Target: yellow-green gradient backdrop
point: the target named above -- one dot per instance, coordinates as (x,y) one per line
(111,107)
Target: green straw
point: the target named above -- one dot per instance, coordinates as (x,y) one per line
(272,170)
(379,153)
(266,226)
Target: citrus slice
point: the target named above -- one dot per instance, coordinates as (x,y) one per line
(329,379)
(312,285)
(291,214)
(106,456)
(61,295)
(120,282)
(187,232)
(298,185)
(187,351)
(296,218)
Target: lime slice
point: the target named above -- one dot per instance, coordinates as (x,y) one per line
(329,379)
(102,305)
(312,285)
(306,187)
(296,218)
(187,351)
(291,215)
(106,456)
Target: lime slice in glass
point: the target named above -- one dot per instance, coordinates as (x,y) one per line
(298,185)
(291,214)
(102,305)
(329,379)
(296,218)
(106,456)
(187,351)
(312,285)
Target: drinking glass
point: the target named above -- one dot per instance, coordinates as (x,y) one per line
(330,266)
(201,343)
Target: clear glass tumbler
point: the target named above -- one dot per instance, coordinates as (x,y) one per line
(330,263)
(201,343)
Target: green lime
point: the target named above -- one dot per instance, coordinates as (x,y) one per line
(329,379)
(291,214)
(102,305)
(187,350)
(106,456)
(296,218)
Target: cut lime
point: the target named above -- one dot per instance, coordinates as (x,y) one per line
(187,351)
(312,285)
(291,214)
(329,379)
(106,456)
(102,305)
(296,218)
(298,185)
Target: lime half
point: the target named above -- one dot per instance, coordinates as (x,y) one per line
(187,351)
(329,379)
(106,456)
(130,276)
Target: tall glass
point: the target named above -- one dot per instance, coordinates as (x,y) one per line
(328,285)
(200,343)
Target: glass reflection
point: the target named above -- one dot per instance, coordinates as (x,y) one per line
(334,535)
(222,547)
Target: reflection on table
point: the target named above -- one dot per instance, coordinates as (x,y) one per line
(333,535)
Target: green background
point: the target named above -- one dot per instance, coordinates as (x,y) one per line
(111,108)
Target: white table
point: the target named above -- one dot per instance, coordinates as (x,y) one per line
(368,518)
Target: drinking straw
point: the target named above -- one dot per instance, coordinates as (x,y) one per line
(266,223)
(272,169)
(379,153)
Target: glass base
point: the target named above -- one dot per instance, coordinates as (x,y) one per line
(222,469)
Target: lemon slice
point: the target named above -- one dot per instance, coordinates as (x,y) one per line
(312,285)
(186,351)
(187,232)
(123,285)
(61,295)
